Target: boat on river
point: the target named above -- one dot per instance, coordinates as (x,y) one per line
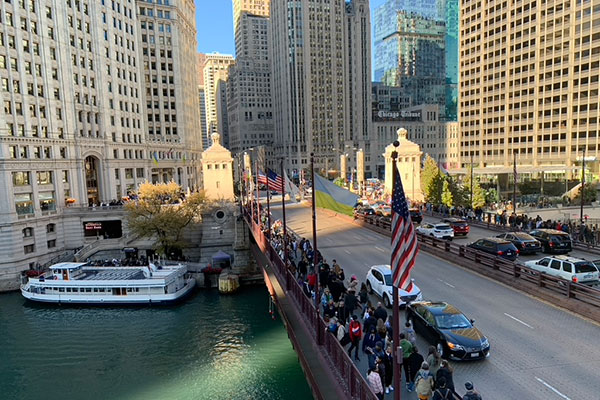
(80,283)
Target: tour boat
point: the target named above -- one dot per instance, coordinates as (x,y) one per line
(80,283)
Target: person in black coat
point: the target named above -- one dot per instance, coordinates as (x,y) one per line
(337,288)
(350,302)
(446,372)
(380,313)
(369,322)
(415,360)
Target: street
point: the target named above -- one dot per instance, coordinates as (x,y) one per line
(537,351)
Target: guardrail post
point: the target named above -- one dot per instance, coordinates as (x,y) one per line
(516,270)
(461,251)
(540,278)
(495,263)
(569,289)
(447,246)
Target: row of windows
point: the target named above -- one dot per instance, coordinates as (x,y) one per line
(23,178)
(22,152)
(28,232)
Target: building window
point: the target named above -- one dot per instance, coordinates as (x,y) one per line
(139,172)
(47,201)
(27,232)
(30,248)
(128,173)
(51,243)
(23,203)
(50,228)
(65,176)
(44,177)
(21,178)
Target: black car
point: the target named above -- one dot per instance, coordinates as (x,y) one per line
(525,243)
(496,246)
(415,215)
(553,241)
(449,330)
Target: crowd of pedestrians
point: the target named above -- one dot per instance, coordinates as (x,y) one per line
(363,330)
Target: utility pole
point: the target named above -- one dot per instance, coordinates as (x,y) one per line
(515,183)
(471,186)
(582,185)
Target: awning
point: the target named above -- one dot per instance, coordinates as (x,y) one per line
(221,256)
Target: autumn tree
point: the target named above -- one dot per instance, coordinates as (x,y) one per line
(478,192)
(447,198)
(432,181)
(162,212)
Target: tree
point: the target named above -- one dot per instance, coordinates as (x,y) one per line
(589,194)
(161,211)
(341,182)
(431,181)
(447,198)
(478,192)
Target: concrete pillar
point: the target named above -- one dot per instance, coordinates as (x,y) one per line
(343,167)
(360,170)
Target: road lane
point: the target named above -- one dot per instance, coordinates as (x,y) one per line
(557,347)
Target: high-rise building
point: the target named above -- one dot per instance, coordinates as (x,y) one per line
(321,95)
(202,99)
(250,109)
(74,132)
(216,73)
(416,48)
(529,84)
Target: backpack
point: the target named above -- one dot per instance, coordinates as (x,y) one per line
(447,396)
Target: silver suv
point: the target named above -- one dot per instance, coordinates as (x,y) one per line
(573,269)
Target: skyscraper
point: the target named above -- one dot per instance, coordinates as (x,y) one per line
(320,55)
(250,110)
(202,100)
(416,48)
(529,84)
(216,74)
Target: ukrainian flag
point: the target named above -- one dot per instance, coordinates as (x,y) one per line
(329,195)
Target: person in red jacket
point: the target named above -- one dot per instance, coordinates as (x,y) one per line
(355,330)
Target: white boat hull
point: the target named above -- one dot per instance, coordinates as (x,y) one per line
(67,298)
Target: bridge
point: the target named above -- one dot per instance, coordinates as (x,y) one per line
(539,350)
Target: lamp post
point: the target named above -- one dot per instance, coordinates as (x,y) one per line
(582,186)
(285,240)
(471,188)
(315,248)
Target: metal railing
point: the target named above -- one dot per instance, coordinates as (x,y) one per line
(349,375)
(579,292)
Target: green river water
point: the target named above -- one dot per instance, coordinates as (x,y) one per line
(207,347)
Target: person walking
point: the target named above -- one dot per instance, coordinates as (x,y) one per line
(471,394)
(350,302)
(442,392)
(446,372)
(375,382)
(389,368)
(434,360)
(363,295)
(415,362)
(370,340)
(355,335)
(380,312)
(424,382)
(406,352)
(410,334)
(381,330)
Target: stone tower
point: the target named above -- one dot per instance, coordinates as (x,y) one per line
(409,166)
(217,171)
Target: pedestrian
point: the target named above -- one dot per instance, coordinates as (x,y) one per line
(370,340)
(369,321)
(406,352)
(442,392)
(326,298)
(350,302)
(342,335)
(434,360)
(415,361)
(336,267)
(330,309)
(381,330)
(380,312)
(471,394)
(375,382)
(363,294)
(381,368)
(389,368)
(424,382)
(341,312)
(353,285)
(446,372)
(355,335)
(312,279)
(409,332)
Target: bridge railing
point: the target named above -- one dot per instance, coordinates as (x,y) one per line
(349,375)
(585,294)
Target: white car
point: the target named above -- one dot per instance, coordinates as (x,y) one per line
(439,231)
(379,281)
(572,269)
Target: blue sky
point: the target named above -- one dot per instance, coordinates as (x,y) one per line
(214,22)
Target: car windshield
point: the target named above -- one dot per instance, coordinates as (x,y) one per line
(388,279)
(582,268)
(452,321)
(441,227)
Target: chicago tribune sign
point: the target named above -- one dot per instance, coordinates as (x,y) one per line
(382,115)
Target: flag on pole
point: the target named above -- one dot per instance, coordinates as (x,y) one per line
(262,178)
(291,188)
(404,238)
(275,181)
(155,157)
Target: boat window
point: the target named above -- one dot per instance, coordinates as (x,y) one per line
(95,290)
(62,289)
(68,290)
(88,290)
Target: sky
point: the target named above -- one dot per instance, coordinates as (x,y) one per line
(214,22)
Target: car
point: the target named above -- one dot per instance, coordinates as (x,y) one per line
(496,246)
(379,281)
(384,211)
(553,241)
(572,269)
(460,226)
(439,231)
(525,243)
(415,215)
(447,328)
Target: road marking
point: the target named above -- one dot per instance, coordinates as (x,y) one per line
(347,251)
(551,388)
(446,283)
(519,321)
(380,249)
(357,237)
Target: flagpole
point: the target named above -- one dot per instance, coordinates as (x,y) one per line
(285,240)
(315,249)
(268,202)
(396,312)
(257,197)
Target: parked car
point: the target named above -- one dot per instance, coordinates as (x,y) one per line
(496,246)
(553,241)
(526,243)
(415,215)
(439,231)
(364,211)
(460,226)
(384,211)
(379,281)
(444,326)
(573,269)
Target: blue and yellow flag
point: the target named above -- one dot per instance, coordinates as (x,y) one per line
(155,157)
(329,195)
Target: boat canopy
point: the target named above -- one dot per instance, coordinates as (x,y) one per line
(67,265)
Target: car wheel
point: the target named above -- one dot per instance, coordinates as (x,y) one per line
(369,287)
(386,301)
(441,349)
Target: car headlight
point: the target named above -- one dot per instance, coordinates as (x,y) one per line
(485,344)
(454,346)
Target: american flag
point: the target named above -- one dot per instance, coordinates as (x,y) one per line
(275,181)
(404,238)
